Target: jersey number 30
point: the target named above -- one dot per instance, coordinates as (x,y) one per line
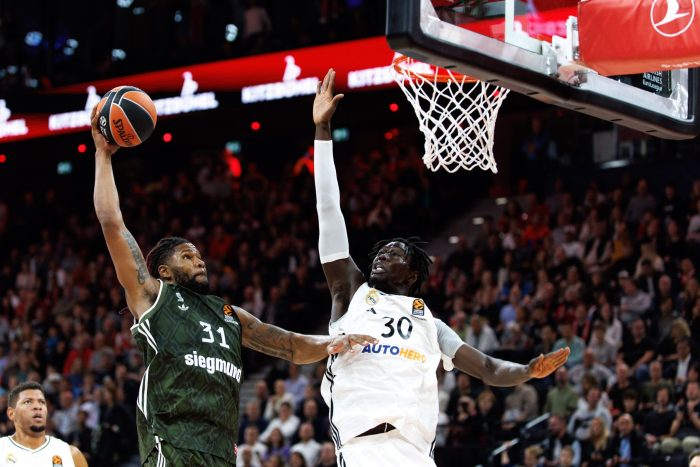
(403,329)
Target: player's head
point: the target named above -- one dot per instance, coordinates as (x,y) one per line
(399,265)
(26,407)
(175,259)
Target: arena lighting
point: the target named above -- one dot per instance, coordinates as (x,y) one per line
(255,126)
(388,136)
(478,220)
(231,32)
(501,201)
(3,158)
(137,11)
(33,38)
(167,137)
(82,148)
(124,3)
(118,54)
(178,16)
(394,107)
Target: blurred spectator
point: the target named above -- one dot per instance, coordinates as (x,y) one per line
(307,445)
(277,445)
(656,381)
(481,336)
(589,366)
(658,424)
(572,341)
(251,417)
(637,351)
(603,348)
(559,439)
(580,421)
(327,457)
(252,442)
(279,397)
(285,421)
(627,446)
(65,418)
(593,449)
(562,400)
(295,384)
(686,426)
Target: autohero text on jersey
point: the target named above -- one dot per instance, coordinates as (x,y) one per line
(212,364)
(396,351)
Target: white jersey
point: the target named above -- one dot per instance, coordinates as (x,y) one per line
(53,453)
(392,381)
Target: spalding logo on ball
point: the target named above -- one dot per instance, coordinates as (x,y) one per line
(127,116)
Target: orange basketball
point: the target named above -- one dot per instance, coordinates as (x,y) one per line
(126,116)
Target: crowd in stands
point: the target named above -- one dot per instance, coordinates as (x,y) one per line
(128,36)
(609,273)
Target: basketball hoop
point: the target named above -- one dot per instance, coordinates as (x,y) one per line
(456,113)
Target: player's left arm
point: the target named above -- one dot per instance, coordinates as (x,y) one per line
(291,346)
(494,371)
(78,457)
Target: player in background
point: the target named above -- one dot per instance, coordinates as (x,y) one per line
(30,446)
(383,400)
(187,407)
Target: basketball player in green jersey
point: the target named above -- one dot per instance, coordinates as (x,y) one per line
(187,407)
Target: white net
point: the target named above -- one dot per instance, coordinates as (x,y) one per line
(456,115)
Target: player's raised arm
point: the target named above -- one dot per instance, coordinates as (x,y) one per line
(493,371)
(140,287)
(78,457)
(342,274)
(297,348)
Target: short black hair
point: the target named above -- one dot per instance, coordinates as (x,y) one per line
(420,260)
(163,249)
(14,393)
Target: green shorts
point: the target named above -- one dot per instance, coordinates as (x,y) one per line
(170,456)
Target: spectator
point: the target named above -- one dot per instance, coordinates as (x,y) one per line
(678,366)
(285,421)
(617,389)
(481,336)
(658,424)
(589,366)
(279,397)
(603,348)
(327,457)
(252,443)
(686,426)
(277,446)
(637,351)
(82,437)
(656,381)
(634,303)
(580,421)
(627,446)
(297,459)
(65,419)
(559,439)
(593,449)
(295,384)
(310,415)
(562,400)
(640,203)
(251,417)
(307,445)
(572,341)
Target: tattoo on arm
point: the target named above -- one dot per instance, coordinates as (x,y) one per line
(269,340)
(141,268)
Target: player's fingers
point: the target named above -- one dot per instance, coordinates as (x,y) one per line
(93,114)
(362,340)
(331,83)
(324,85)
(318,88)
(335,100)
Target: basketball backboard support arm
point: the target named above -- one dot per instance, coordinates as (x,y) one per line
(414,29)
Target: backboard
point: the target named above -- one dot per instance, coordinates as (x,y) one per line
(531,47)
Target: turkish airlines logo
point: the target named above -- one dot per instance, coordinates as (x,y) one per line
(672,18)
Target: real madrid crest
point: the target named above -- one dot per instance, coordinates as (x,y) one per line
(372,297)
(418,307)
(57,461)
(10,459)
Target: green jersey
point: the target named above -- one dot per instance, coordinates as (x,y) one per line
(189,392)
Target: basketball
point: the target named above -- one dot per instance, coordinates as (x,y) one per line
(126,116)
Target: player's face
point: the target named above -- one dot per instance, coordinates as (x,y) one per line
(391,269)
(188,268)
(29,415)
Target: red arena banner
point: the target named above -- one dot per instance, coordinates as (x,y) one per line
(624,37)
(360,64)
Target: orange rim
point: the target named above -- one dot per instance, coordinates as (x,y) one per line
(441,76)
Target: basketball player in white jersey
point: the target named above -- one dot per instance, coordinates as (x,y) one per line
(383,397)
(30,446)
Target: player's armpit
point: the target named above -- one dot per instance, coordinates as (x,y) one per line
(78,458)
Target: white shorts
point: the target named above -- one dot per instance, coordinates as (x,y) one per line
(385,449)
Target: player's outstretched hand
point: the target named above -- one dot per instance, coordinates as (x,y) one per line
(101,143)
(325,102)
(545,365)
(341,344)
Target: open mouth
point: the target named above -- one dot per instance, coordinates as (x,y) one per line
(378,269)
